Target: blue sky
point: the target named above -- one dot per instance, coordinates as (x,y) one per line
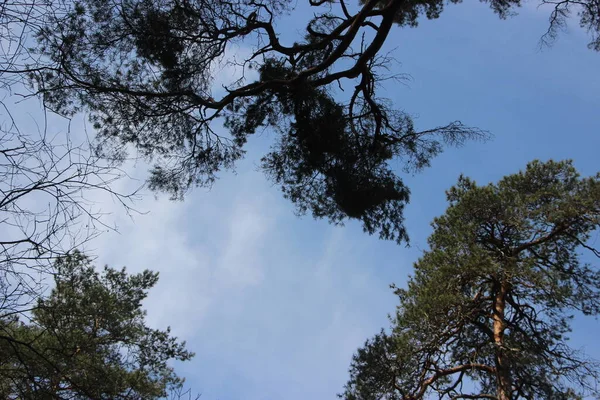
(275,305)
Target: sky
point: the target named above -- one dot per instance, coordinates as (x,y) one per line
(274,305)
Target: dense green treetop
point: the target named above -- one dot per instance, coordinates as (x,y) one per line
(89,340)
(487,313)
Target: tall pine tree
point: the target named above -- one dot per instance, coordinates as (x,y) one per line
(487,313)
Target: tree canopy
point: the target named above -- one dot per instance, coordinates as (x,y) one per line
(144,70)
(89,340)
(487,313)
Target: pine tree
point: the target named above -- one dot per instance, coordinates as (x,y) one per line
(89,340)
(487,313)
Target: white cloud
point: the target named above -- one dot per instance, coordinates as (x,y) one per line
(261,296)
(204,248)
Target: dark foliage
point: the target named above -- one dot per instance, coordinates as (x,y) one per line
(144,70)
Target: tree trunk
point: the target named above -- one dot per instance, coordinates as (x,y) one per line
(504,389)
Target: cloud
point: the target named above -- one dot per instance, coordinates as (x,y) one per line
(204,248)
(292,334)
(265,299)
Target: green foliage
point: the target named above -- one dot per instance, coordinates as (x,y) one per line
(487,312)
(88,340)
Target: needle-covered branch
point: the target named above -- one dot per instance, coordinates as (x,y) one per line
(146,70)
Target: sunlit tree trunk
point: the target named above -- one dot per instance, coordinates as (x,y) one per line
(502,369)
